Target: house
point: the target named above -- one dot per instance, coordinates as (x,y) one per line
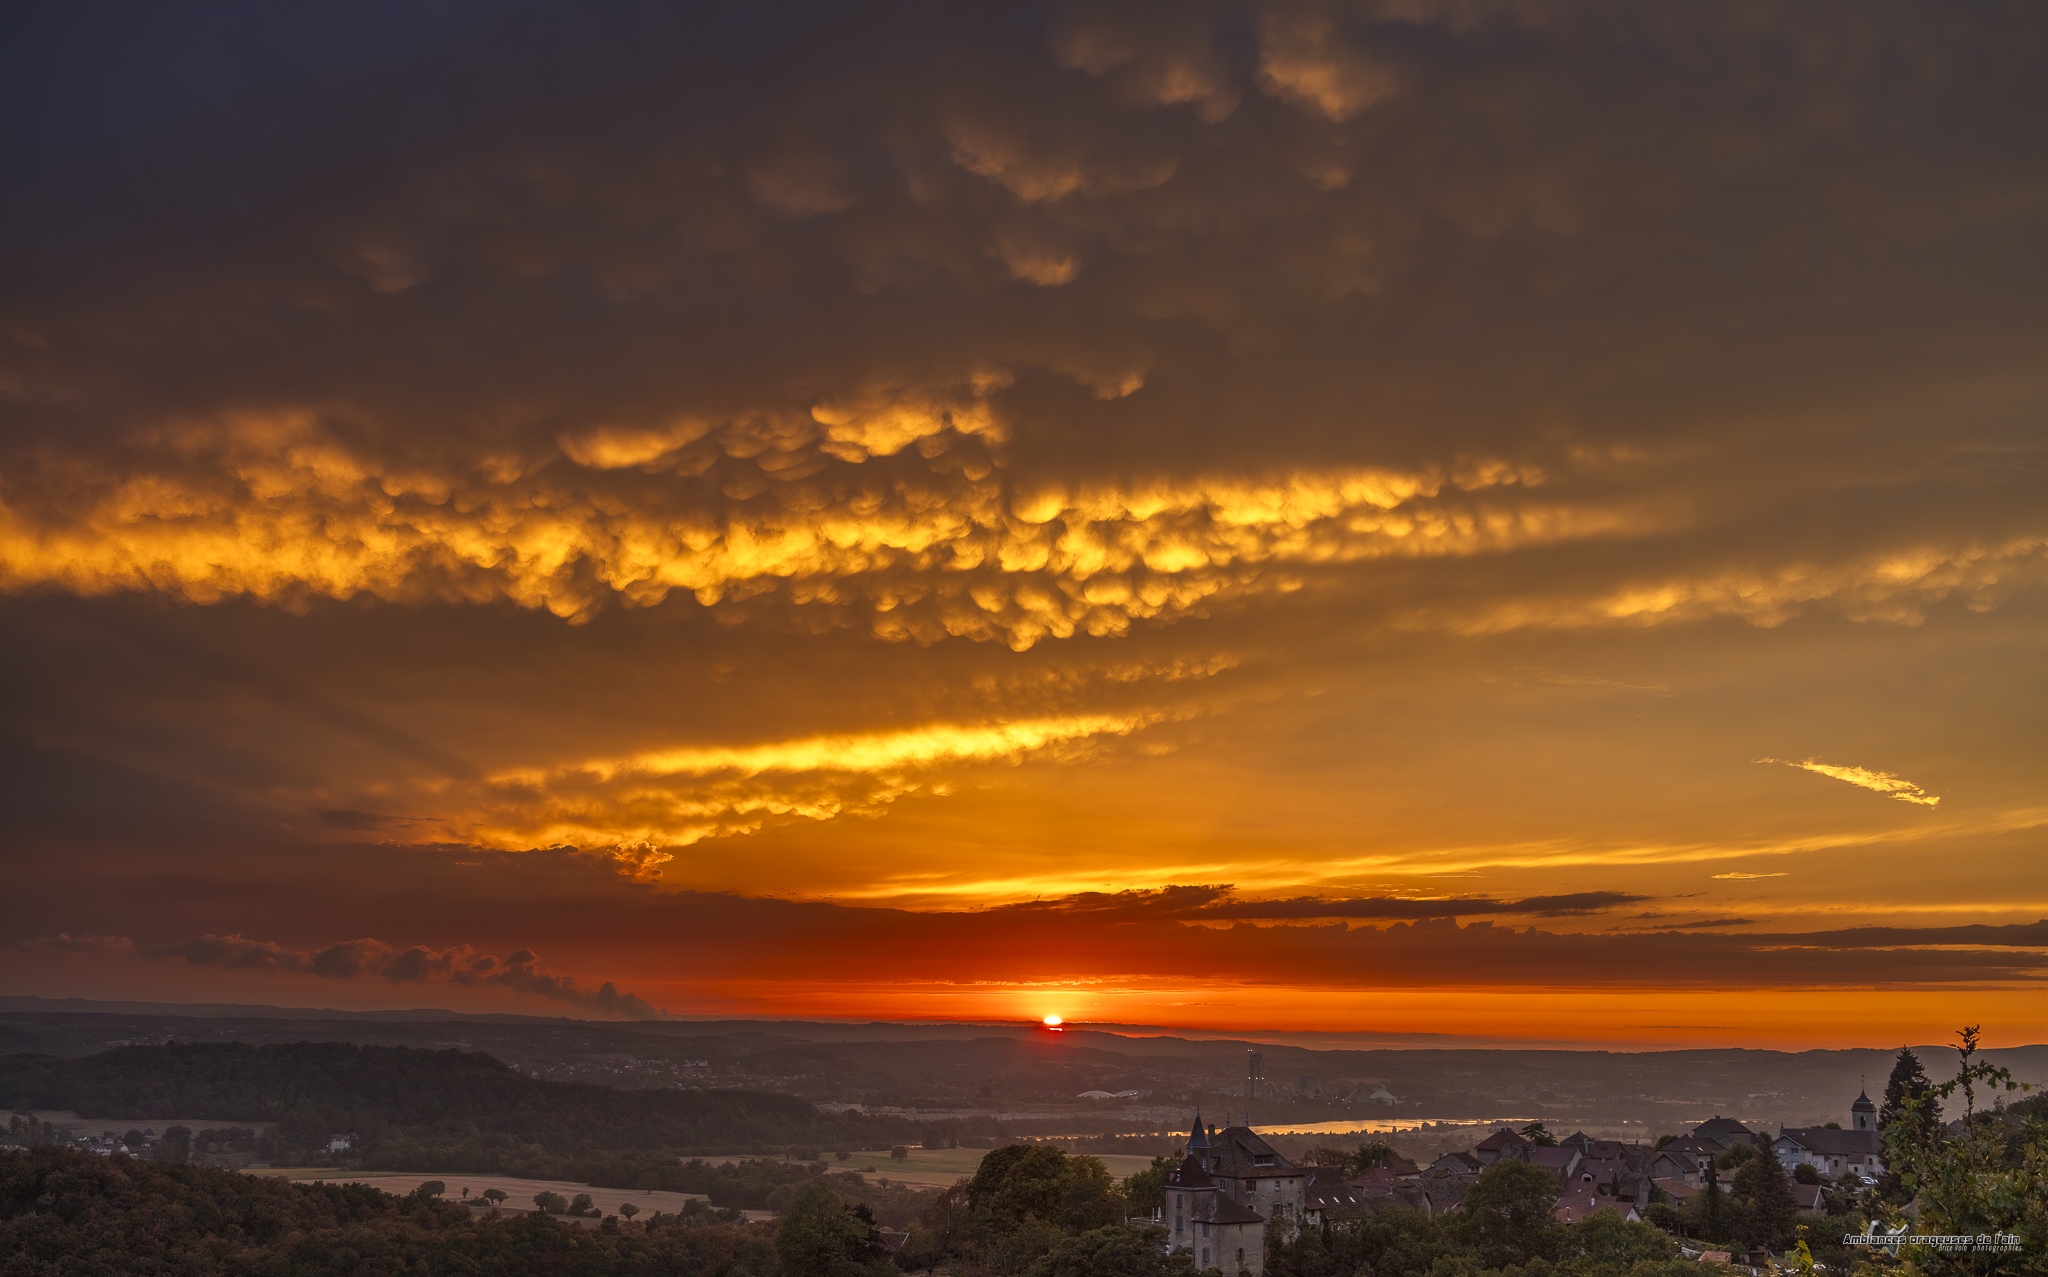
(1620,1178)
(1252,1173)
(1457,1162)
(1559,1161)
(1575,1206)
(1811,1198)
(1833,1151)
(1329,1195)
(1396,1165)
(1503,1143)
(341,1143)
(1219,1232)
(1676,1191)
(1725,1131)
(1701,1151)
(1380,1189)
(1381,1095)
(1577,1139)
(1671,1162)
(1444,1188)
(1615,1150)
(1229,1190)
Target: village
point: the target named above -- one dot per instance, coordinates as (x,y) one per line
(1232,1188)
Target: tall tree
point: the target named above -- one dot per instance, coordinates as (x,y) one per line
(1909,1082)
(1510,1213)
(818,1237)
(1146,1191)
(1768,1203)
(1990,1177)
(1713,1208)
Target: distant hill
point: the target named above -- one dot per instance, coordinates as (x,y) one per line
(314,1089)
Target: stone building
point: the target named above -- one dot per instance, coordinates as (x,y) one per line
(1857,1151)
(1229,1194)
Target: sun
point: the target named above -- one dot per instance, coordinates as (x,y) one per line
(1053,1022)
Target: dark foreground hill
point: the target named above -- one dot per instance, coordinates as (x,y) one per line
(400,1095)
(71,1213)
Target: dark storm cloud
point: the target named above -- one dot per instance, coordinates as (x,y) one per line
(734,938)
(348,959)
(1692,926)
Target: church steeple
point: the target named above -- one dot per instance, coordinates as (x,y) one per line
(1862,1114)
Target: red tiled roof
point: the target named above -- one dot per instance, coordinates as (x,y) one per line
(1574,1207)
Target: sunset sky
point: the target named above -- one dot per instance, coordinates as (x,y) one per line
(1509,520)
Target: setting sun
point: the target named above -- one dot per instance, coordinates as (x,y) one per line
(1052,1022)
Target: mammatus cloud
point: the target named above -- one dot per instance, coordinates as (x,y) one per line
(349,959)
(1883,782)
(779,513)
(759,513)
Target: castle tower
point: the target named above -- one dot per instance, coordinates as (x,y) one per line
(1862,1114)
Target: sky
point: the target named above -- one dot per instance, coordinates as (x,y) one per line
(1494,519)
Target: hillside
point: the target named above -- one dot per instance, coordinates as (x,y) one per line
(388,1095)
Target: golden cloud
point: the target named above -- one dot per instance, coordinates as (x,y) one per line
(888,509)
(1304,61)
(1883,782)
(280,507)
(643,802)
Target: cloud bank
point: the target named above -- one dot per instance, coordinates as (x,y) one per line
(461,966)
